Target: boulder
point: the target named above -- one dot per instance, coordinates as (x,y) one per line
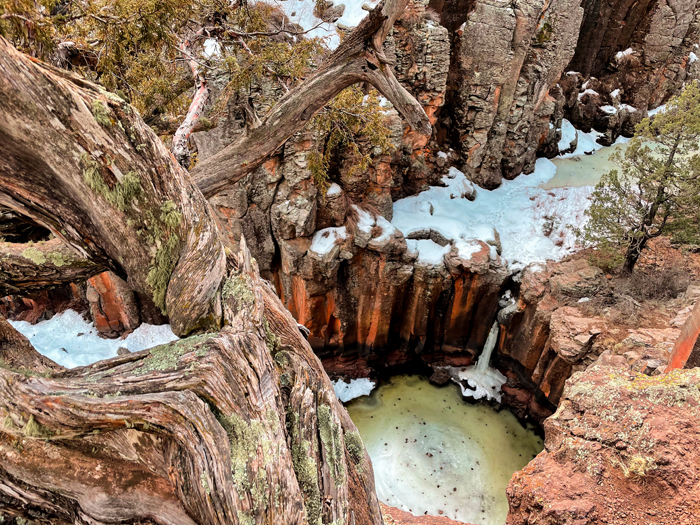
(610,455)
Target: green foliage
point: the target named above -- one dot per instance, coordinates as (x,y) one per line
(656,189)
(544,34)
(248,60)
(354,121)
(133,47)
(22,22)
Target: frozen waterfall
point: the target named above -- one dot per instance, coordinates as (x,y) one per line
(483,380)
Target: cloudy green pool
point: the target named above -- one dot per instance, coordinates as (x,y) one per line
(434,453)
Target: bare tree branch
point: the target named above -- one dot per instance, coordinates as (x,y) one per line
(359,58)
(38,266)
(201,95)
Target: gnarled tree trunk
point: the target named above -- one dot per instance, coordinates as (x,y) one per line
(237,424)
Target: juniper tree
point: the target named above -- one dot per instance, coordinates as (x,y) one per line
(225,426)
(656,188)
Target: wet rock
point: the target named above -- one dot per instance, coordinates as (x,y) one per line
(441,377)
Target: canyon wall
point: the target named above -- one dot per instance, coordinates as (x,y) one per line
(496,79)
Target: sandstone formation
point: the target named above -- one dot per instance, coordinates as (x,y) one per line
(621,448)
(495,79)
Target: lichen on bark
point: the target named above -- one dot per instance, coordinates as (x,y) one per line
(166,357)
(238,287)
(34,255)
(306,470)
(331,437)
(160,231)
(121,195)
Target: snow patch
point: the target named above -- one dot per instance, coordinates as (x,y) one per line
(693,57)
(302,12)
(660,109)
(586,143)
(519,210)
(615,93)
(324,240)
(333,189)
(568,134)
(366,221)
(621,54)
(629,108)
(355,388)
(68,339)
(587,92)
(610,110)
(429,253)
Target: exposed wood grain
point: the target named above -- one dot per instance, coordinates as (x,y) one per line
(39,266)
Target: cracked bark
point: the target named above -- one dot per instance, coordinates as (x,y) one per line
(40,266)
(240,425)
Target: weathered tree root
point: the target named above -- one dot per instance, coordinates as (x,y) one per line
(240,426)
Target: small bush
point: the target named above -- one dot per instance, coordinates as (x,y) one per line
(656,284)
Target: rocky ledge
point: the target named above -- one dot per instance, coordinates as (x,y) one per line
(621,448)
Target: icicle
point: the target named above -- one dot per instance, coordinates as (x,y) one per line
(485,381)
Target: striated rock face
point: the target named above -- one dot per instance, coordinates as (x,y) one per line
(496,79)
(113,304)
(506,57)
(642,48)
(518,67)
(611,455)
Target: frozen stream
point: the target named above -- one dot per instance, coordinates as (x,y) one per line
(582,170)
(434,453)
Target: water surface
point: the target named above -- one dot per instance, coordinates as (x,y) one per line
(433,452)
(582,170)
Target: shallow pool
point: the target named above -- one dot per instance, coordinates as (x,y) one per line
(583,170)
(434,453)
